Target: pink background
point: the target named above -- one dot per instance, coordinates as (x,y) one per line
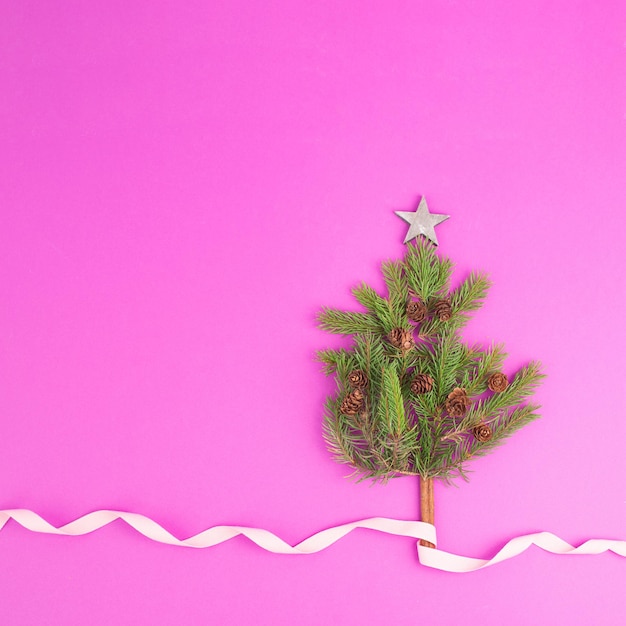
(184,184)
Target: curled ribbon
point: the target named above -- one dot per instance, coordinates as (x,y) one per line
(321,540)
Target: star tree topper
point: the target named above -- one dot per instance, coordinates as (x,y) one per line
(422,222)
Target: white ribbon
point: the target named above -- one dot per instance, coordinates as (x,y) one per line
(544,540)
(321,540)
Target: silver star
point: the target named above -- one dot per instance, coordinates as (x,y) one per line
(422,222)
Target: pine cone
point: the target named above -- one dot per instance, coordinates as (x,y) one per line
(352,403)
(498,382)
(482,433)
(422,383)
(401,339)
(416,311)
(443,310)
(457,402)
(357,379)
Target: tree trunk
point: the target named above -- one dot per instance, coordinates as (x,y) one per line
(427,505)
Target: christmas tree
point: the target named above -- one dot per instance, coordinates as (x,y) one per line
(413,399)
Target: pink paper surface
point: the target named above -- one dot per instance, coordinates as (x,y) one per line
(184,184)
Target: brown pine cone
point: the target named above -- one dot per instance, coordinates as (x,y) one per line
(482,433)
(498,382)
(357,379)
(422,383)
(352,403)
(416,311)
(457,402)
(401,339)
(443,310)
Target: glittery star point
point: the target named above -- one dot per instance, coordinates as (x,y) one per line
(422,222)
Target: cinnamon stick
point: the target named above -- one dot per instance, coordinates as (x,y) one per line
(427,505)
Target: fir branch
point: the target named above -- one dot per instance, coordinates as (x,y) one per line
(369,355)
(487,362)
(349,444)
(427,274)
(391,414)
(503,427)
(523,385)
(377,306)
(393,273)
(423,452)
(347,322)
(331,359)
(337,440)
(403,449)
(368,297)
(398,289)
(469,296)
(447,355)
(392,386)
